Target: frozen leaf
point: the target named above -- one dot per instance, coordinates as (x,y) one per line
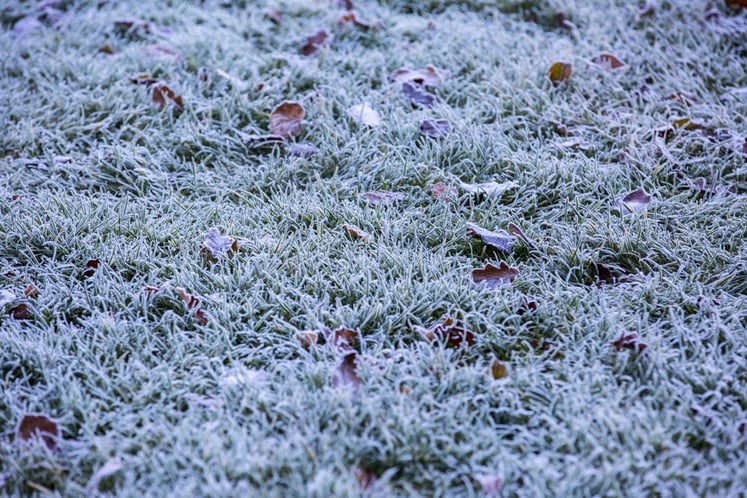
(447,330)
(20,311)
(417,96)
(274,15)
(342,338)
(491,189)
(435,128)
(515,230)
(91,266)
(286,119)
(6,296)
(493,276)
(32,426)
(317,41)
(608,61)
(217,245)
(346,373)
(629,341)
(356,232)
(686,124)
(498,369)
(158,50)
(490,483)
(606,274)
(142,79)
(105,49)
(442,191)
(384,198)
(31,291)
(364,477)
(527,307)
(162,95)
(27,26)
(307,338)
(560,72)
(111,467)
(430,76)
(500,240)
(633,202)
(302,150)
(351,18)
(364,114)
(192,304)
(151,292)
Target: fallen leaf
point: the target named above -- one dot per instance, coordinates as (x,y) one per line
(302,150)
(500,240)
(364,477)
(342,338)
(33,426)
(307,338)
(20,311)
(142,79)
(364,114)
(430,76)
(274,15)
(317,41)
(435,128)
(686,98)
(286,119)
(515,230)
(493,276)
(158,50)
(27,26)
(606,274)
(382,197)
(491,189)
(686,124)
(31,291)
(446,330)
(351,18)
(527,307)
(111,467)
(105,49)
(490,483)
(217,245)
(416,96)
(162,95)
(633,202)
(629,341)
(356,232)
(608,61)
(560,72)
(442,191)
(192,304)
(151,292)
(346,373)
(91,266)
(700,184)
(498,369)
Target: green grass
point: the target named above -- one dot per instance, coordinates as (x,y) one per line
(91,169)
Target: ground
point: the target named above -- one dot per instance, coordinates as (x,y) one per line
(201,312)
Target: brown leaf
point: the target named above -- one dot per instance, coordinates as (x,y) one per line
(307,338)
(31,291)
(32,426)
(217,245)
(442,191)
(499,240)
(342,338)
(430,76)
(158,50)
(274,15)
(417,96)
(633,202)
(162,95)
(435,128)
(493,277)
(560,72)
(365,114)
(364,477)
(383,197)
(606,274)
(608,61)
(356,232)
(629,341)
(490,189)
(151,292)
(686,124)
(193,305)
(20,311)
(515,230)
(91,266)
(498,369)
(351,18)
(106,49)
(446,330)
(686,98)
(142,79)
(286,119)
(346,373)
(317,41)
(527,307)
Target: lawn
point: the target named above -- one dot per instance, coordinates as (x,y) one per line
(431,248)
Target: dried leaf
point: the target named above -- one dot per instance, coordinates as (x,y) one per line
(274,15)
(342,338)
(111,467)
(435,128)
(500,240)
(606,274)
(629,341)
(286,119)
(416,96)
(498,369)
(364,114)
(217,245)
(31,291)
(490,483)
(91,266)
(162,95)
(142,79)
(687,124)
(633,202)
(527,307)
(356,232)
(686,98)
(493,277)
(490,189)
(515,230)
(560,72)
(364,477)
(307,338)
(351,18)
(317,41)
(20,311)
(32,426)
(158,50)
(446,330)
(383,197)
(193,306)
(608,61)
(302,150)
(346,373)
(151,292)
(442,191)
(105,49)
(430,76)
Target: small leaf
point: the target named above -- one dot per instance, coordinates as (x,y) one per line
(342,338)
(430,76)
(286,119)
(346,373)
(162,95)
(686,124)
(605,274)
(192,304)
(560,72)
(151,292)
(629,341)
(217,245)
(32,426)
(356,233)
(648,10)
(500,240)
(142,79)
(416,96)
(20,311)
(490,189)
(91,266)
(105,49)
(364,477)
(111,467)
(493,277)
(384,198)
(737,3)
(31,291)
(446,330)
(351,18)
(444,192)
(435,128)
(515,230)
(685,98)
(633,202)
(608,61)
(307,338)
(497,369)
(364,114)
(133,25)
(317,41)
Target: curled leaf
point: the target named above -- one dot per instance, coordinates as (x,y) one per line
(356,232)
(317,41)
(382,197)
(560,72)
(493,276)
(417,96)
(608,61)
(217,245)
(515,230)
(435,128)
(286,119)
(346,373)
(192,304)
(351,18)
(633,202)
(364,114)
(629,341)
(500,240)
(430,76)
(142,79)
(447,330)
(32,426)
(162,95)
(342,338)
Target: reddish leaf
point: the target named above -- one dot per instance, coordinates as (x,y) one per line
(499,240)
(441,191)
(418,97)
(384,198)
(286,119)
(346,373)
(193,305)
(105,49)
(633,202)
(342,338)
(307,338)
(32,426)
(435,128)
(515,230)
(446,330)
(151,292)
(629,341)
(560,72)
(31,291)
(737,3)
(430,76)
(608,61)
(317,41)
(498,369)
(142,79)
(351,18)
(162,95)
(605,274)
(20,311)
(356,233)
(91,266)
(493,277)
(365,477)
